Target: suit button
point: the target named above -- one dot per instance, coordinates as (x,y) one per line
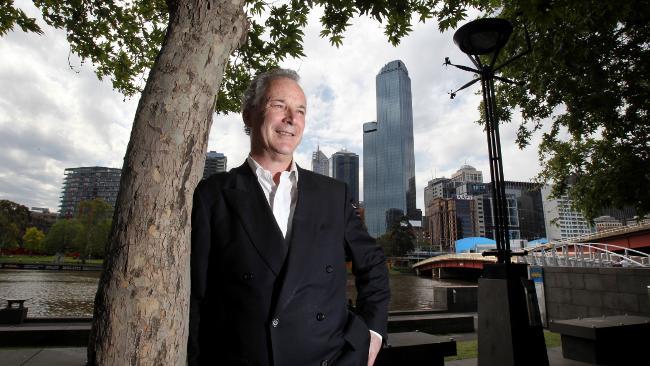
(248,276)
(329,268)
(320,317)
(275,323)
(324,363)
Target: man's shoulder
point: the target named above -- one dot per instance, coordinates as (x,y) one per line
(219,180)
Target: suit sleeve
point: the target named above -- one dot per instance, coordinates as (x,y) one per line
(369,269)
(198,267)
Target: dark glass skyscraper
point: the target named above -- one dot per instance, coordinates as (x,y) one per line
(344,166)
(388,157)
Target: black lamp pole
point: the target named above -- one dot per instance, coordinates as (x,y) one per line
(483,37)
(510,331)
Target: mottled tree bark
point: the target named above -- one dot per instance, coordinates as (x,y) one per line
(141,307)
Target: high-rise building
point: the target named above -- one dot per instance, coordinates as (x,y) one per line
(214,163)
(344,166)
(388,157)
(319,162)
(561,219)
(467,173)
(451,219)
(524,208)
(88,183)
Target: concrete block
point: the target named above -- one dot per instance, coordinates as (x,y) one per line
(560,295)
(599,282)
(596,311)
(632,284)
(644,304)
(628,302)
(550,279)
(563,280)
(573,311)
(415,348)
(577,281)
(553,270)
(552,310)
(640,272)
(621,302)
(587,298)
(618,271)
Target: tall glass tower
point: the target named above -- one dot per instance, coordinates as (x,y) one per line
(344,166)
(388,157)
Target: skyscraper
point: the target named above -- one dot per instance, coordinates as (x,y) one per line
(214,163)
(388,157)
(319,162)
(344,166)
(88,183)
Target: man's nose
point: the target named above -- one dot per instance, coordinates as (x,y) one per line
(289,115)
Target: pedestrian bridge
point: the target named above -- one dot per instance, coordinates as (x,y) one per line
(564,254)
(559,254)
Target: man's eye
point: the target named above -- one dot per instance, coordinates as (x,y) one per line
(277,105)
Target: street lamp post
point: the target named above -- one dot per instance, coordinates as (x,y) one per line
(509,323)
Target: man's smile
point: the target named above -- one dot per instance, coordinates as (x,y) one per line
(285,133)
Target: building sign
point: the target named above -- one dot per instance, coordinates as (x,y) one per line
(464,197)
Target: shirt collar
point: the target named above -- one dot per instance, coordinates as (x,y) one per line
(261,172)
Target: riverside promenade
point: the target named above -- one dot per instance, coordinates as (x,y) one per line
(76,356)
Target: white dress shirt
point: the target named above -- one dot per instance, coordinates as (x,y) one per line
(282,196)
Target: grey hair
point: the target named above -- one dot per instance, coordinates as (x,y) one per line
(256,90)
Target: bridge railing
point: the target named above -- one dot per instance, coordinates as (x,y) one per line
(585,255)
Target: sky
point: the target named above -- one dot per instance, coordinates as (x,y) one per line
(56,114)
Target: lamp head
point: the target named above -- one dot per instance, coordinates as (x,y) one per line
(483,36)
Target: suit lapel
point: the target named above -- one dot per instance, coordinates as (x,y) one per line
(303,230)
(248,201)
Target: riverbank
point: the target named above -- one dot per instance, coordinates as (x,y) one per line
(48,259)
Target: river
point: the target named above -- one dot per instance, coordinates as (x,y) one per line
(71,294)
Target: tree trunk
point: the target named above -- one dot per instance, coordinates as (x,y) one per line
(141,307)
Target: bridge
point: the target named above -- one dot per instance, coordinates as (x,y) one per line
(462,265)
(631,236)
(618,247)
(584,255)
(558,254)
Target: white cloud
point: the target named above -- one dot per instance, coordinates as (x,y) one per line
(52,117)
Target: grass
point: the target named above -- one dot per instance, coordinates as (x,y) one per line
(45,259)
(469,349)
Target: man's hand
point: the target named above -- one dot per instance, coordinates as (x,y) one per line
(375,346)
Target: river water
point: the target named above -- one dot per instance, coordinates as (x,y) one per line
(71,294)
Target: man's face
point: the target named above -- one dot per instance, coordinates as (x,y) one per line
(278,123)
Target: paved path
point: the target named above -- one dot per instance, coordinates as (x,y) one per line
(76,356)
(554,359)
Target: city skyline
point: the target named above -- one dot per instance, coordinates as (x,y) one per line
(53,117)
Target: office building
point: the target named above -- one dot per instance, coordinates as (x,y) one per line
(344,166)
(467,173)
(88,183)
(451,219)
(214,163)
(388,157)
(562,221)
(319,162)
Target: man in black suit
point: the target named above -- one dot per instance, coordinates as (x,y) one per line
(269,243)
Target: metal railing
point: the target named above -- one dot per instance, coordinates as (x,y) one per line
(564,254)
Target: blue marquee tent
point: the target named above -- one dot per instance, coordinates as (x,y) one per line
(474,244)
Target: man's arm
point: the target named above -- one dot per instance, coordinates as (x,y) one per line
(371,276)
